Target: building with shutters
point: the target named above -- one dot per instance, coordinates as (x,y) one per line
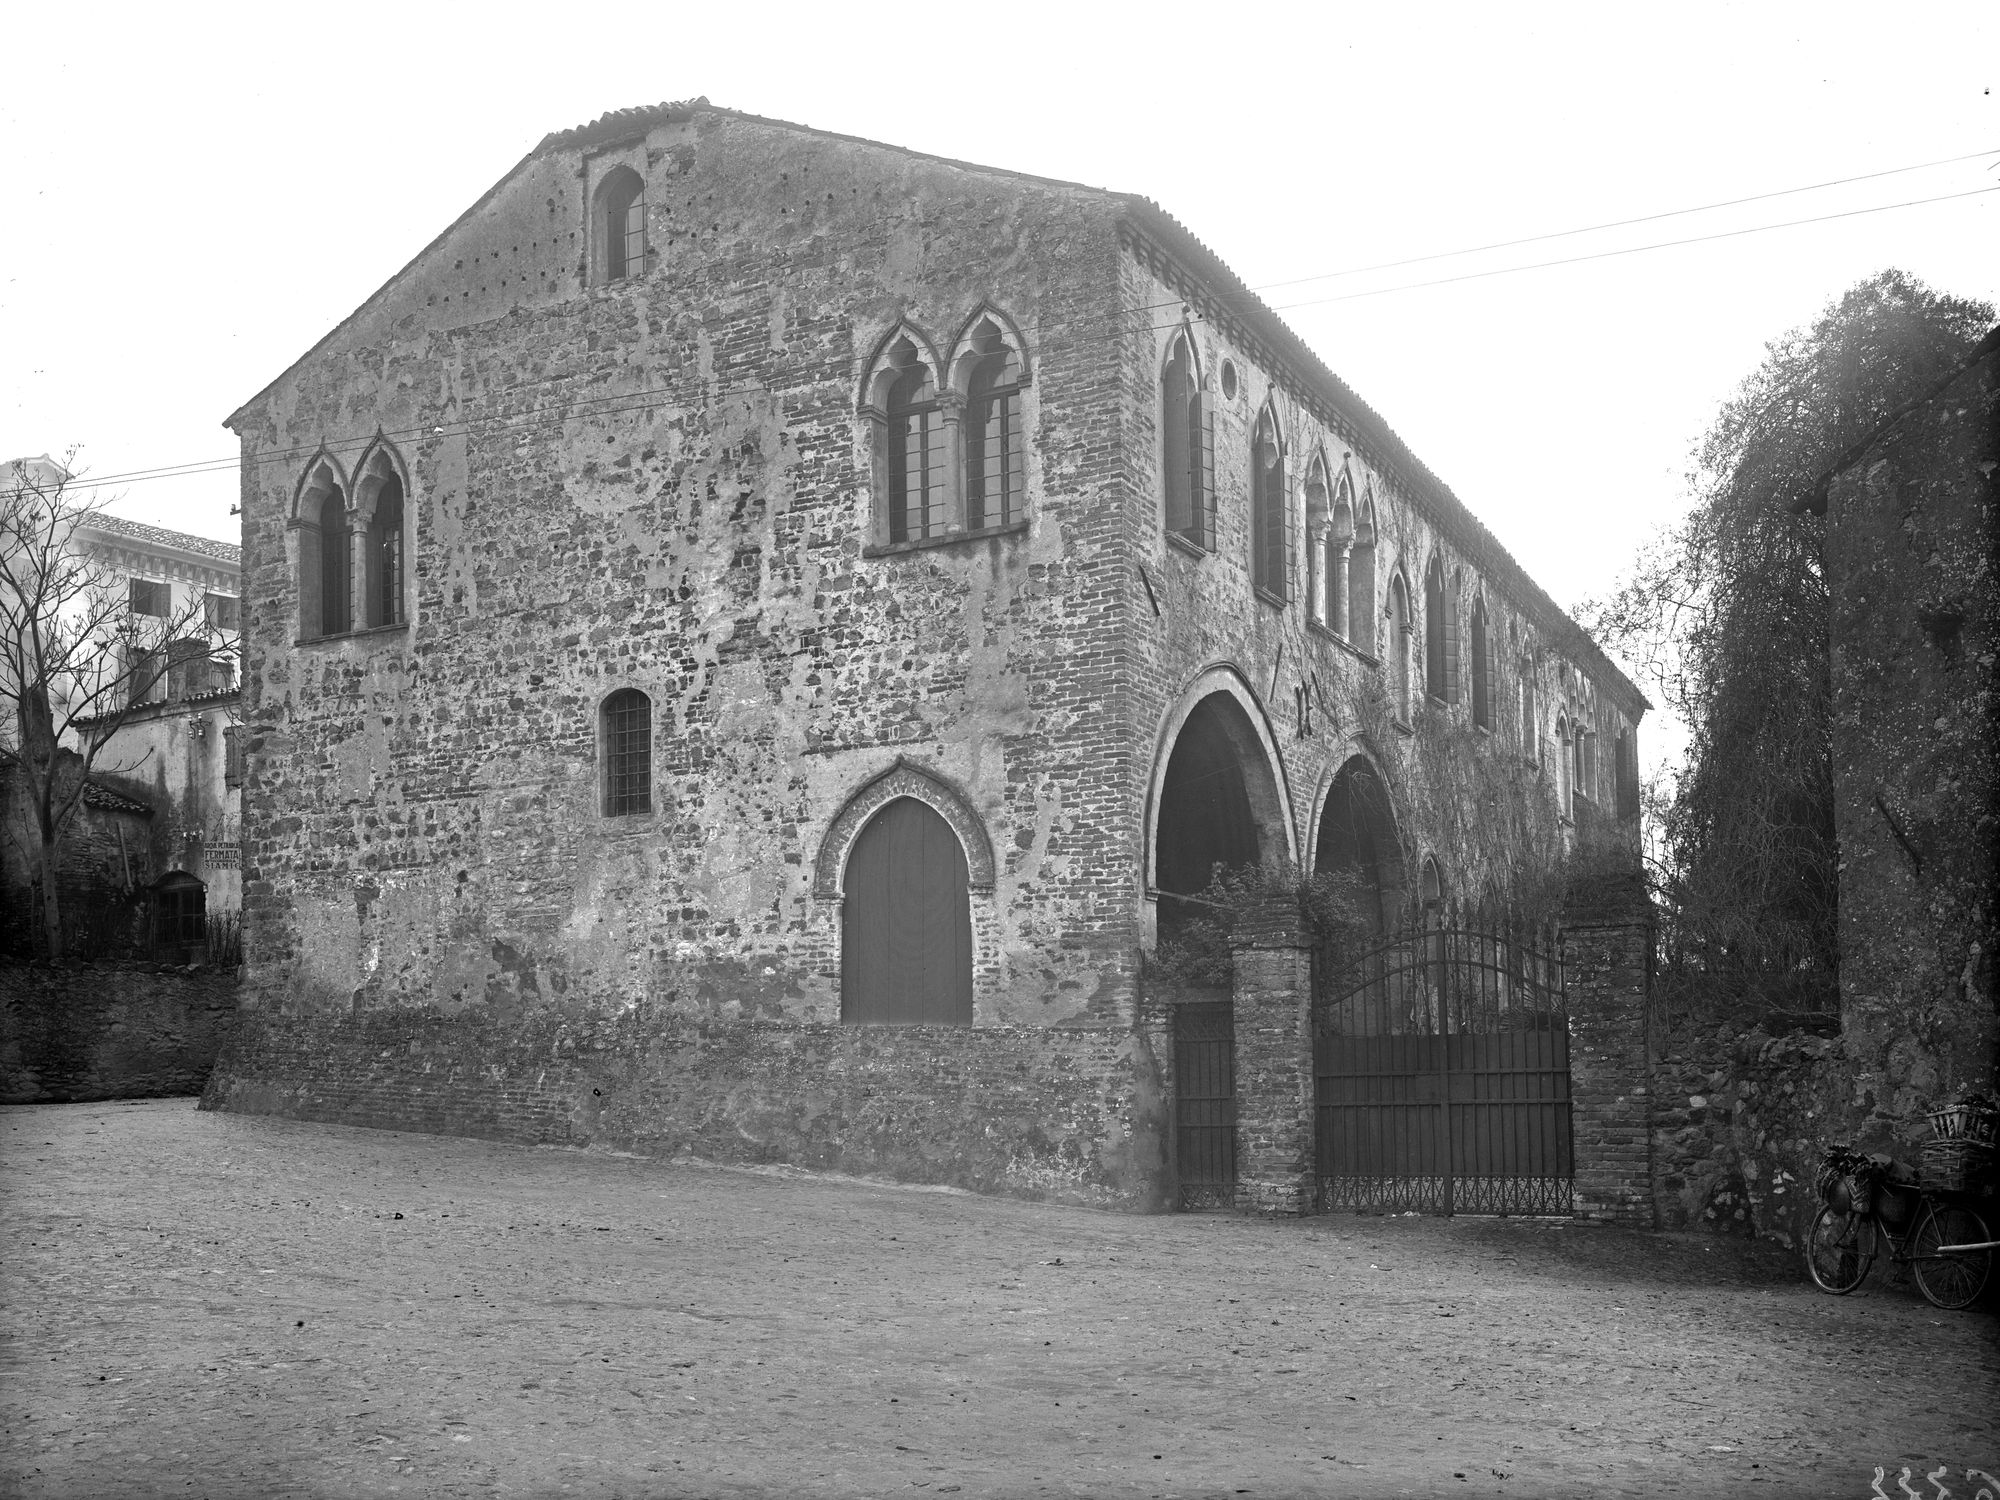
(753,634)
(158,828)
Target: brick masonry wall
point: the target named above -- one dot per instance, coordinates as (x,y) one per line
(1055,1113)
(1274,1061)
(1607,959)
(110,1031)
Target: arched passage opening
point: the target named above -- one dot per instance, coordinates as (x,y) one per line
(1357,840)
(1218,808)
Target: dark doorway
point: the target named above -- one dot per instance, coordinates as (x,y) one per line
(1205,1106)
(1357,838)
(1205,818)
(906,923)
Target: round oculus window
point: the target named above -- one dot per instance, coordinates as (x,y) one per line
(1228,380)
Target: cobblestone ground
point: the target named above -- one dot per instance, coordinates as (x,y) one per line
(199,1304)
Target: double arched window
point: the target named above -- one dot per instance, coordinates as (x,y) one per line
(950,455)
(353,572)
(1270,515)
(1187,446)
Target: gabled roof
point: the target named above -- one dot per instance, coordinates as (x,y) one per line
(159,536)
(1234,299)
(95,793)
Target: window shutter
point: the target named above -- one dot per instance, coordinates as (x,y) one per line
(1207,500)
(1291,502)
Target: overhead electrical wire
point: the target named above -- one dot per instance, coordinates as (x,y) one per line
(624,402)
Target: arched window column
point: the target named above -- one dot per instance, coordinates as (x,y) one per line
(325,550)
(912,418)
(1187,446)
(1401,649)
(1362,610)
(1270,510)
(1482,669)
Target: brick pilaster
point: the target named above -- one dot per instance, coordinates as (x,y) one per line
(1607,958)
(1274,1063)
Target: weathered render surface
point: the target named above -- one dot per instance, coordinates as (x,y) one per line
(666,481)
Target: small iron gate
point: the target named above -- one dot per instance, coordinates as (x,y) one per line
(1441,1063)
(1205,1105)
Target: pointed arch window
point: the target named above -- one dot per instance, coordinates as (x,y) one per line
(621,225)
(625,747)
(1440,634)
(1338,561)
(380,491)
(1400,648)
(995,481)
(1565,774)
(1531,739)
(1270,511)
(1482,673)
(910,439)
(1361,607)
(337,565)
(1187,447)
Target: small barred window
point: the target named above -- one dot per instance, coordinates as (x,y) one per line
(626,740)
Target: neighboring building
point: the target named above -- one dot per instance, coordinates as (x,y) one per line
(1911,543)
(742,588)
(162,818)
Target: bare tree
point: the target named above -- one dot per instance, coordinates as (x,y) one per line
(81,648)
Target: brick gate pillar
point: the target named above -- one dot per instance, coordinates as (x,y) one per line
(1607,963)
(1274,1058)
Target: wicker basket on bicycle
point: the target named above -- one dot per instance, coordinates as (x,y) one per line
(1959,1157)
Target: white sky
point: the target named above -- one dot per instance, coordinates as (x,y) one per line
(191,196)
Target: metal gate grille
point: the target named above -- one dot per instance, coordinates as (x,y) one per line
(1205,1105)
(1441,1061)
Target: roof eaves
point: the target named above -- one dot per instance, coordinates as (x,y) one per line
(1237,300)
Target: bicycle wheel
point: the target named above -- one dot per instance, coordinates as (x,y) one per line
(1839,1250)
(1954,1280)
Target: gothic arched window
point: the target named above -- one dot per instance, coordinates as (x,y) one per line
(1187,447)
(995,482)
(621,225)
(1270,512)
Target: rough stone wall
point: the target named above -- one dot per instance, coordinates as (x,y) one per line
(1910,555)
(1479,799)
(663,483)
(110,1031)
(1058,1113)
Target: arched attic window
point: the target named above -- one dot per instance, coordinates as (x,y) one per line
(910,446)
(1187,447)
(1482,669)
(325,553)
(1338,561)
(1270,510)
(621,225)
(1400,648)
(1361,578)
(625,752)
(380,492)
(991,374)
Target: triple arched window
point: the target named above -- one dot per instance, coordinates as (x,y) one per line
(950,451)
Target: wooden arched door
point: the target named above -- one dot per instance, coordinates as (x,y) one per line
(906,923)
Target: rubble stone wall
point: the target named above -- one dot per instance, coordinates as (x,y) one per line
(110,1031)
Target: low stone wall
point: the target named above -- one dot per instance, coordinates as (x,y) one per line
(1740,1120)
(1072,1116)
(110,1031)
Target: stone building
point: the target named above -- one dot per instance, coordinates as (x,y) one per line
(753,633)
(158,826)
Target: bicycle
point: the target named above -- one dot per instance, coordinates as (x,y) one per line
(1945,1243)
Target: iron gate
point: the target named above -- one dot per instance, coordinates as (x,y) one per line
(1205,1105)
(1441,1066)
